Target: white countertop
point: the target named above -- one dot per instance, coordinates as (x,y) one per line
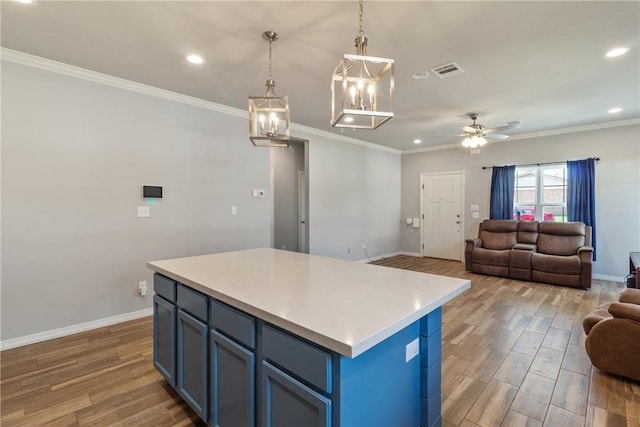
(345,306)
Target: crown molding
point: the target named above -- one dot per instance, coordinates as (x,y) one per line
(550,132)
(108,80)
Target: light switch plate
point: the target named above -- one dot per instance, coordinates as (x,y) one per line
(475,207)
(144,211)
(475,214)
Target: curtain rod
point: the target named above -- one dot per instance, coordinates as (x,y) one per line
(597,159)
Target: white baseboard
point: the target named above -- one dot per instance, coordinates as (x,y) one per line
(389,255)
(73,329)
(607,278)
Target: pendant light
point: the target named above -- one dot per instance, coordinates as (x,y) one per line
(362,87)
(269,122)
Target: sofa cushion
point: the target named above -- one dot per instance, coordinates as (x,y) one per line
(528,232)
(490,257)
(498,234)
(569,265)
(561,238)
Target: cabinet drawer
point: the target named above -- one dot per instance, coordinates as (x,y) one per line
(234,323)
(164,287)
(192,301)
(302,359)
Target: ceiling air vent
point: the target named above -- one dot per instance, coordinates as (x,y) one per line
(447,70)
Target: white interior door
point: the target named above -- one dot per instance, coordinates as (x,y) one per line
(441,196)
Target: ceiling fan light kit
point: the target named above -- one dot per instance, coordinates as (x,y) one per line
(476,134)
(269,118)
(362,88)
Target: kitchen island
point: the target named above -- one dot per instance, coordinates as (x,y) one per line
(274,338)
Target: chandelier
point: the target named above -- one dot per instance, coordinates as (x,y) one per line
(269,123)
(362,88)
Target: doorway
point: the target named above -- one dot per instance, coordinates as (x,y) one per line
(441,201)
(289,181)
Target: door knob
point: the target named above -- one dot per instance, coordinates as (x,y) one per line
(457,222)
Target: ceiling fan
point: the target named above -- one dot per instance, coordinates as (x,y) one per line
(476,134)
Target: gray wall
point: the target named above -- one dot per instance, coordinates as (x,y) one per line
(617,184)
(75,153)
(74,157)
(355,200)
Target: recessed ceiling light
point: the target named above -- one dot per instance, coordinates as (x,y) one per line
(419,75)
(26,1)
(617,52)
(615,110)
(195,59)
(417,141)
(348,119)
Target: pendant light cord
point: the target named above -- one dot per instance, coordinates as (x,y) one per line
(270,66)
(361,30)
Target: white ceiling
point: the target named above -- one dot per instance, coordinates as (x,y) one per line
(540,62)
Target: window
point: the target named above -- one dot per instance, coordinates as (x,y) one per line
(540,193)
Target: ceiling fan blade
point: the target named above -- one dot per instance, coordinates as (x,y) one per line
(505,127)
(496,136)
(468,129)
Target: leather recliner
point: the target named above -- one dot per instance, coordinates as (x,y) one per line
(613,335)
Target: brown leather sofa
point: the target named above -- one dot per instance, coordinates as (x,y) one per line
(559,253)
(613,335)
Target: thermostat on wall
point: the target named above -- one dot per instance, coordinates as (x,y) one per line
(151,192)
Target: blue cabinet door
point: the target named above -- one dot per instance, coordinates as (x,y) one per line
(286,402)
(192,369)
(164,338)
(232,383)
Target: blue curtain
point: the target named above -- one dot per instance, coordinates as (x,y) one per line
(581,194)
(502,186)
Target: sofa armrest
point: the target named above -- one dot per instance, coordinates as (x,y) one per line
(591,319)
(525,247)
(631,296)
(625,311)
(470,245)
(585,249)
(475,242)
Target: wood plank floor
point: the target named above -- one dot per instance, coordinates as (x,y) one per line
(513,355)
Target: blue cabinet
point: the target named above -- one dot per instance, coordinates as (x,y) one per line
(192,362)
(193,349)
(287,402)
(164,334)
(232,383)
(235,370)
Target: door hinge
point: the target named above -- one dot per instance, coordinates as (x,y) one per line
(423,186)
(422,246)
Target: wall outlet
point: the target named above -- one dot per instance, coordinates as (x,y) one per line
(142,288)
(364,248)
(412,349)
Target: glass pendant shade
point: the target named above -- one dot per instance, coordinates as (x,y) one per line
(269,121)
(362,88)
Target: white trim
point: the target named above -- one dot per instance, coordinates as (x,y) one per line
(549,132)
(389,255)
(608,278)
(73,329)
(108,80)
